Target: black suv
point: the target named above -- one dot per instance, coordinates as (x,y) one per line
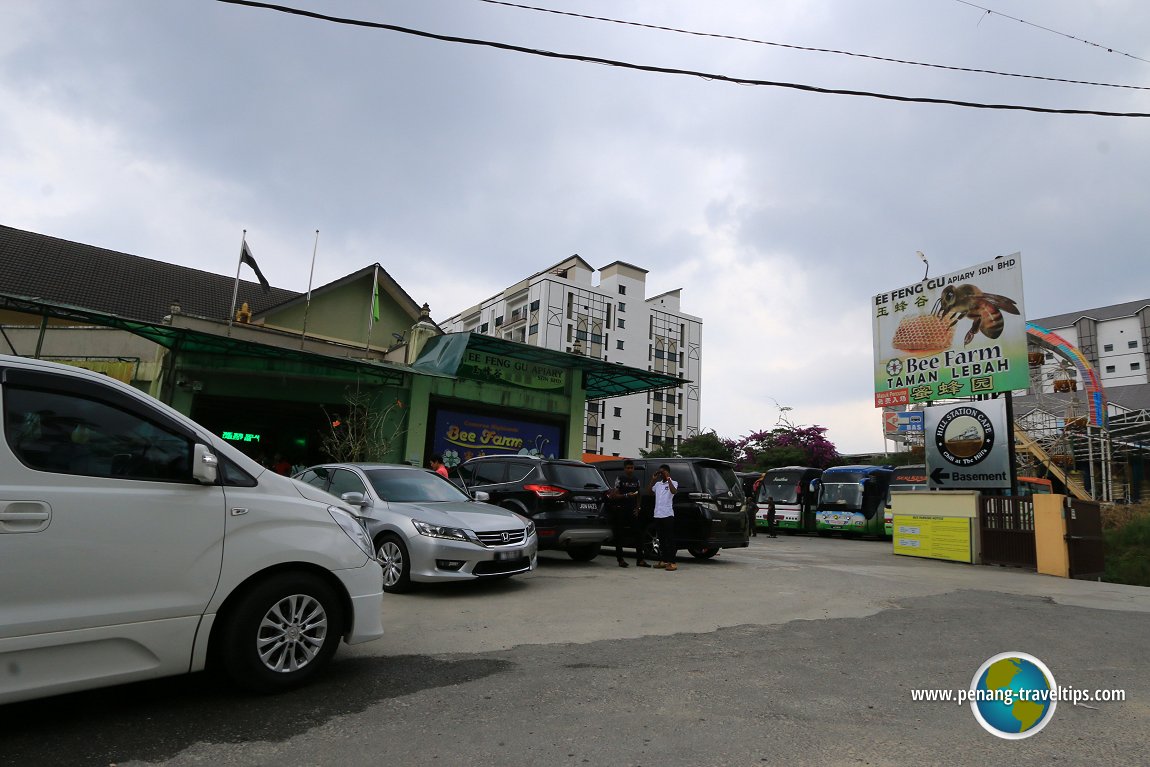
(709,505)
(564,498)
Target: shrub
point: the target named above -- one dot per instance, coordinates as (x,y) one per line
(1126,531)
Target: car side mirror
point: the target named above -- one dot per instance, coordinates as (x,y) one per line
(481,496)
(205,465)
(355,499)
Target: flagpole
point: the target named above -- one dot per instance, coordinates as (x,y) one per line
(236,289)
(371,308)
(306,306)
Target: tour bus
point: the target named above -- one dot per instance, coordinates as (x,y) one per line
(1028,486)
(906,479)
(794,495)
(852,500)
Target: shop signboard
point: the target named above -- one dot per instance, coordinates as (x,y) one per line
(526,374)
(459,436)
(958,335)
(967,445)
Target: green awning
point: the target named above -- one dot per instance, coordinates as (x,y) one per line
(227,352)
(443,355)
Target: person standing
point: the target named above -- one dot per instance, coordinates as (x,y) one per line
(771,517)
(624,506)
(438,465)
(664,489)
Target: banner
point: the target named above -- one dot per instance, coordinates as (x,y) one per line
(460,436)
(952,336)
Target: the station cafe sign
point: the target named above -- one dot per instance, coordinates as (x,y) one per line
(957,335)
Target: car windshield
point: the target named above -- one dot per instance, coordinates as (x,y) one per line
(413,485)
(720,482)
(574,475)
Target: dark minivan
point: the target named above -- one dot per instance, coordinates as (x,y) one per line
(563,497)
(709,505)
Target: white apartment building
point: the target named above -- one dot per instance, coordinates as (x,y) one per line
(1116,340)
(565,309)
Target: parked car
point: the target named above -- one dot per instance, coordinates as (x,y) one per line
(135,544)
(426,529)
(564,498)
(709,505)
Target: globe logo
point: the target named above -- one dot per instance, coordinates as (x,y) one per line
(1013,695)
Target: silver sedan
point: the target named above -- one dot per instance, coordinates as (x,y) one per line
(425,528)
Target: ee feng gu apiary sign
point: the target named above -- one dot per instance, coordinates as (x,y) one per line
(957,335)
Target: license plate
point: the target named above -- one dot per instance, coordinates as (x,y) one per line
(587,506)
(501,555)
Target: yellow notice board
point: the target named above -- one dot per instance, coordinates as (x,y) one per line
(933,537)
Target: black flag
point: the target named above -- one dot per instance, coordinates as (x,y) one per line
(247,258)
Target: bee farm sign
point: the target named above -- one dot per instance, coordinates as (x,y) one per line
(952,336)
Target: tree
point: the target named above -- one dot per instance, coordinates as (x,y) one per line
(708,444)
(665,450)
(786,445)
(365,431)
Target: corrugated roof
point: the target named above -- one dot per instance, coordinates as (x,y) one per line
(1112,312)
(131,287)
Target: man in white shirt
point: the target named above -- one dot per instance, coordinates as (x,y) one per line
(664,489)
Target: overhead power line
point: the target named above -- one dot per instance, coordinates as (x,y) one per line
(790,46)
(1106,48)
(673,71)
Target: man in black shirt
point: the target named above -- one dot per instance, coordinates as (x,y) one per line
(624,505)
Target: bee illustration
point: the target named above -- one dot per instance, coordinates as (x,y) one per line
(985,309)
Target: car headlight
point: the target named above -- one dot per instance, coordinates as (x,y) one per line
(353,528)
(530,524)
(440,531)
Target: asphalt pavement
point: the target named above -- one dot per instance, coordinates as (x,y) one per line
(795,651)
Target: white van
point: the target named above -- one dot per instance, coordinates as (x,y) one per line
(134,544)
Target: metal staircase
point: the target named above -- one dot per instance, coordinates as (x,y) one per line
(1024,441)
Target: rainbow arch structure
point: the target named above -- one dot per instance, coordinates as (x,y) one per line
(1095,396)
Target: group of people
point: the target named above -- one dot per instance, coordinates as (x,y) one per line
(625,515)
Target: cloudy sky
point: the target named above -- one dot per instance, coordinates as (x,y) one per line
(165,129)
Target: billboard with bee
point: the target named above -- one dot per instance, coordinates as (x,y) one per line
(952,336)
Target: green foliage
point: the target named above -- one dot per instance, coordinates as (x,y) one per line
(774,457)
(661,451)
(1128,551)
(706,445)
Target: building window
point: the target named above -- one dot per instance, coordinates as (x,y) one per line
(620,323)
(1135,365)
(498,321)
(535,305)
(622,290)
(618,344)
(622,306)
(483,327)
(1131,344)
(534,329)
(1109,368)
(618,412)
(614,434)
(1107,347)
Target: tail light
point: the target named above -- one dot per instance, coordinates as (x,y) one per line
(546,491)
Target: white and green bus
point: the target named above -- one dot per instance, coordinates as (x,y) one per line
(794,495)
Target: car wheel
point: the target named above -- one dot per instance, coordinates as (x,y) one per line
(651,543)
(392,555)
(281,632)
(703,553)
(584,553)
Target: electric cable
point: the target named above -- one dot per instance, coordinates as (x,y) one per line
(673,71)
(834,51)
